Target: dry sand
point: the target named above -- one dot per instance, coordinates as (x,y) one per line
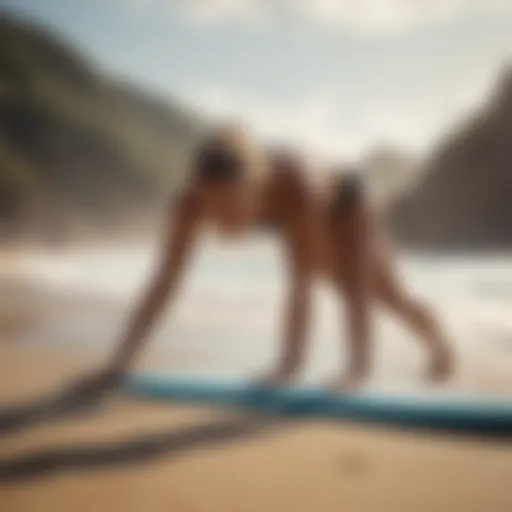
(198,459)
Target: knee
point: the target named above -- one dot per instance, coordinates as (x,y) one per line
(348,195)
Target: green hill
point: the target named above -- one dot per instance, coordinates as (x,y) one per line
(76,144)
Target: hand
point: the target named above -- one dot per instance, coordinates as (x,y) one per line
(350,382)
(277,377)
(97,384)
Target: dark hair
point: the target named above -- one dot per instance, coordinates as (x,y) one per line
(216,163)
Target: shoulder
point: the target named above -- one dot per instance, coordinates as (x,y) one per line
(184,204)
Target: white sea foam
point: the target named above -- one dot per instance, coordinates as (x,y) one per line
(228,313)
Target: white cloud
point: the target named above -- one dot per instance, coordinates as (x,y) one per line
(309,122)
(204,12)
(320,122)
(363,16)
(389,15)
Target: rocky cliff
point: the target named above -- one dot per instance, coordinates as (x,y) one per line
(463,196)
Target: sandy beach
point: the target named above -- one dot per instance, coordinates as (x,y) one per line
(198,459)
(129,456)
(239,127)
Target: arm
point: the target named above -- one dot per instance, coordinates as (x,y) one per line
(176,254)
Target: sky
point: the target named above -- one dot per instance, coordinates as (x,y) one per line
(336,76)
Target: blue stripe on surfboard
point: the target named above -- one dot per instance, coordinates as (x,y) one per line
(453,413)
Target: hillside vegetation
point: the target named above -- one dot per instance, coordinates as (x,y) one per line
(76,145)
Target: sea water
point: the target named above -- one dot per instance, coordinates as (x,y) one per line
(226,316)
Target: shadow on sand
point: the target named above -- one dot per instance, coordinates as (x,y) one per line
(138,449)
(56,406)
(166,443)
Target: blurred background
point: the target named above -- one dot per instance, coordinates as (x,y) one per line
(101,102)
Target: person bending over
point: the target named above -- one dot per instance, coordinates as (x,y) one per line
(328,233)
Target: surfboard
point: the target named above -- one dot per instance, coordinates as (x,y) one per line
(453,413)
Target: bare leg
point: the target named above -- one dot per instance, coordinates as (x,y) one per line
(351,241)
(418,318)
(294,341)
(359,333)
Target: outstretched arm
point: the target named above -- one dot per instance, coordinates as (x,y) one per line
(180,229)
(175,255)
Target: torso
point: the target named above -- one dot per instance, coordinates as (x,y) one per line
(313,220)
(293,203)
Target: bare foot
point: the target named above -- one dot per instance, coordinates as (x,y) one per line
(96,384)
(351,381)
(441,367)
(277,377)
